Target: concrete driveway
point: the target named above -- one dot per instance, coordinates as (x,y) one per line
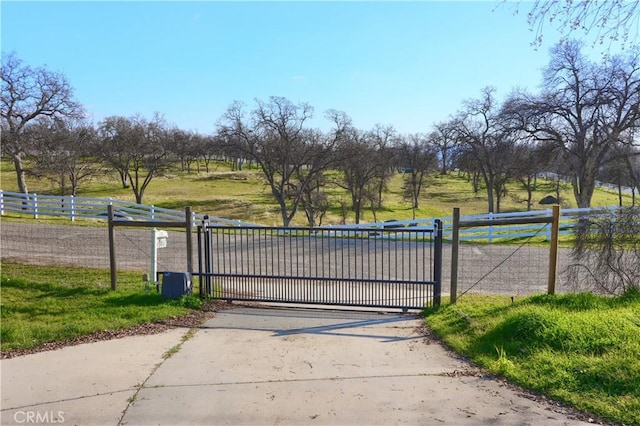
(267,366)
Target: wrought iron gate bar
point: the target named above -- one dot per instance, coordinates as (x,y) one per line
(318,279)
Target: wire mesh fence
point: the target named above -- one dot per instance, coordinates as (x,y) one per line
(85,246)
(511,269)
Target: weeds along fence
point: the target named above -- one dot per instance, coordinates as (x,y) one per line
(521,262)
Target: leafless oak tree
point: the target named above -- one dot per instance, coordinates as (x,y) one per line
(445,138)
(383,138)
(586,109)
(482,132)
(275,136)
(362,166)
(64,152)
(28,94)
(417,158)
(136,148)
(527,161)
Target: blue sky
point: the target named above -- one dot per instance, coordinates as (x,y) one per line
(408,64)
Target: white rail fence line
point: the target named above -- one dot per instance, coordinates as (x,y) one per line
(568,220)
(71,207)
(599,184)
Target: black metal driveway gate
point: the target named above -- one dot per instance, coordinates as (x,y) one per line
(372,267)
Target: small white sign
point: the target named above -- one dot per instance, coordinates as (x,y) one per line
(161,237)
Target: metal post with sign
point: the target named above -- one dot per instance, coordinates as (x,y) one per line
(158,241)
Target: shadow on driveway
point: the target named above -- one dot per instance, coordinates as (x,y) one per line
(292,321)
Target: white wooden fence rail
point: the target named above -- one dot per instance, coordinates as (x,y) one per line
(72,208)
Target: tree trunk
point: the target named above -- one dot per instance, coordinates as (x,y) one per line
(489,183)
(583,189)
(123,179)
(373,210)
(476,182)
(20,173)
(63,184)
(443,171)
(356,209)
(619,193)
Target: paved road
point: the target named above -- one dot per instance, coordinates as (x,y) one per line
(251,366)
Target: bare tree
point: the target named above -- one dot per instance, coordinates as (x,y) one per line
(467,166)
(315,201)
(618,170)
(208,148)
(136,148)
(383,137)
(585,109)
(118,136)
(633,167)
(361,165)
(191,147)
(275,137)
(481,129)
(27,94)
(527,162)
(611,20)
(183,145)
(417,158)
(445,138)
(63,152)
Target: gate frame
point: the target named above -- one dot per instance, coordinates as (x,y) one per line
(554,220)
(205,269)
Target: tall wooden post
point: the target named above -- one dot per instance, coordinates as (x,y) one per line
(553,251)
(437,263)
(455,243)
(112,248)
(188,217)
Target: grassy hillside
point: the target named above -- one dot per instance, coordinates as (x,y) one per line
(244,195)
(581,349)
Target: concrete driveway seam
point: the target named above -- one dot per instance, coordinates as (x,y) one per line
(58,401)
(168,354)
(470,373)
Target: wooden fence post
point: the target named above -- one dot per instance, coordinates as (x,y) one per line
(112,248)
(188,217)
(553,251)
(455,242)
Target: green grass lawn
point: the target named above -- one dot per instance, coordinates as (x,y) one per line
(44,304)
(580,349)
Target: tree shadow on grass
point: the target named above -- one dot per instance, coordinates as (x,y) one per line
(46,290)
(142,299)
